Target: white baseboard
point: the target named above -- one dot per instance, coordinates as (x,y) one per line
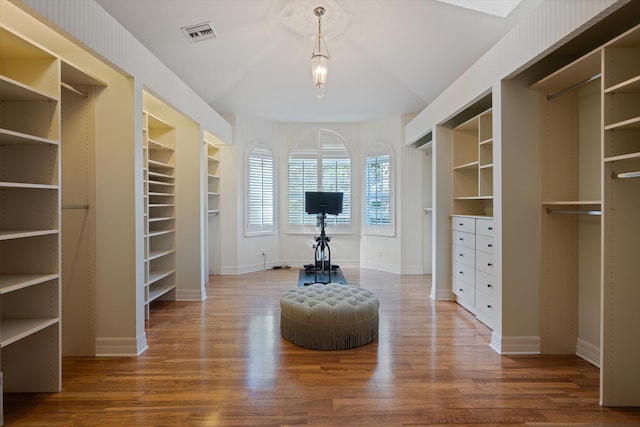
(515,345)
(117,347)
(390,268)
(244,269)
(441,294)
(191,294)
(387,268)
(588,352)
(294,264)
(413,269)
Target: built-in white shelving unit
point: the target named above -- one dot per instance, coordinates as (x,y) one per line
(159,205)
(29,217)
(212,154)
(472,227)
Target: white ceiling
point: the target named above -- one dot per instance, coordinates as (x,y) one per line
(388,57)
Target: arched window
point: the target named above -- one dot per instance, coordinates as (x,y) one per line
(319,162)
(260,194)
(379,190)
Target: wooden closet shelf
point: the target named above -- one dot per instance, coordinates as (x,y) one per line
(470,165)
(157,291)
(19,234)
(13,90)
(12,137)
(629,124)
(16,329)
(14,282)
(631,85)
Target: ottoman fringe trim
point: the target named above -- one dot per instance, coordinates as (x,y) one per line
(329,337)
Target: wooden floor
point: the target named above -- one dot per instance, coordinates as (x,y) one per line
(222,363)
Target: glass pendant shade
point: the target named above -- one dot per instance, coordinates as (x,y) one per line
(319,58)
(319,71)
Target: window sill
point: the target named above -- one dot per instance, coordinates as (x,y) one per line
(387,231)
(259,233)
(313,230)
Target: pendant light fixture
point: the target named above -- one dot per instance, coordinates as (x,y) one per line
(319,57)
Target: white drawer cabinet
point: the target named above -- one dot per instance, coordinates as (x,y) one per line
(473,264)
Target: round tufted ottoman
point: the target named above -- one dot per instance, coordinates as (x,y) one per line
(329,316)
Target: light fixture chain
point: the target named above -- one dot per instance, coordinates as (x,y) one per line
(320,32)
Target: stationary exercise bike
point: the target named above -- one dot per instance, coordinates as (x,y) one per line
(321,204)
(322,256)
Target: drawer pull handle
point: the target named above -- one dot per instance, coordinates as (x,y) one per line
(489,285)
(490,228)
(489,264)
(489,306)
(461,239)
(462,255)
(461,273)
(461,224)
(461,290)
(489,245)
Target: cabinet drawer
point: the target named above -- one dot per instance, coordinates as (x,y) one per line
(463,272)
(484,262)
(465,293)
(485,282)
(484,304)
(468,240)
(484,227)
(484,244)
(464,255)
(465,224)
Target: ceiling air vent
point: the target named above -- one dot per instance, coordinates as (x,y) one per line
(199,32)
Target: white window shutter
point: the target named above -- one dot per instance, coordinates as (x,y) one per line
(319,162)
(260,191)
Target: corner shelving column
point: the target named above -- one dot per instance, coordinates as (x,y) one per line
(571,202)
(620,372)
(159,204)
(213,179)
(212,154)
(29,217)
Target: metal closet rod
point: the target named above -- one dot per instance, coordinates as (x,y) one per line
(625,175)
(75,206)
(573,212)
(73,89)
(573,86)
